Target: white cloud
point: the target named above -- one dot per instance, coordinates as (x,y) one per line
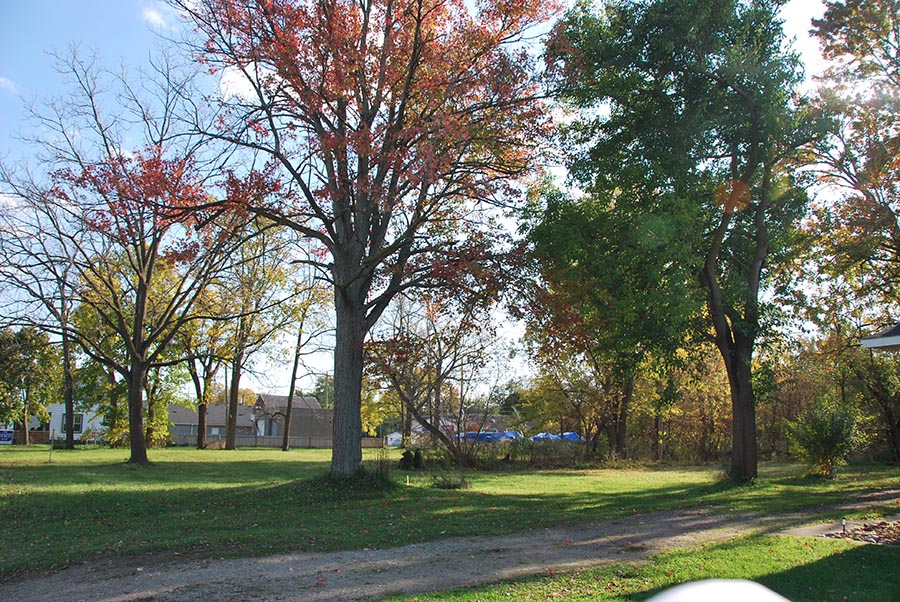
(153,17)
(235,83)
(8,85)
(8,200)
(159,15)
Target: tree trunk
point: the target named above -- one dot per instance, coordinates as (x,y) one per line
(25,419)
(893,431)
(149,426)
(136,414)
(286,442)
(350,334)
(201,424)
(743,406)
(407,426)
(233,395)
(622,418)
(68,390)
(735,344)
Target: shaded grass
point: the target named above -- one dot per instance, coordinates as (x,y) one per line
(89,503)
(800,569)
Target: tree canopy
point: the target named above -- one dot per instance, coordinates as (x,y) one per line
(383,126)
(690,109)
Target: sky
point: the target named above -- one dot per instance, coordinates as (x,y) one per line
(126,32)
(120,32)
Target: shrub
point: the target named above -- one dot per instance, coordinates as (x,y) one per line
(824,436)
(406,460)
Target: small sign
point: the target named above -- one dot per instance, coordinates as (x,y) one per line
(6,436)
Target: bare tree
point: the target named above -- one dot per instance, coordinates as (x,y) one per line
(125,226)
(428,354)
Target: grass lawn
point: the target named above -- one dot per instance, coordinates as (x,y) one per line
(89,503)
(800,569)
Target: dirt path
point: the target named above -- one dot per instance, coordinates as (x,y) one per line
(368,574)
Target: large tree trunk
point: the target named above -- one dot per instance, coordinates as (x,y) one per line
(350,334)
(735,343)
(743,408)
(136,414)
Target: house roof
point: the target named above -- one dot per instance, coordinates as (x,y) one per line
(888,339)
(215,415)
(274,403)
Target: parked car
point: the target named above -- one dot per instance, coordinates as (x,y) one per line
(489,435)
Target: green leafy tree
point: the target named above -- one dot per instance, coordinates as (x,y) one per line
(825,435)
(204,344)
(690,107)
(607,297)
(163,387)
(323,390)
(262,300)
(29,376)
(100,388)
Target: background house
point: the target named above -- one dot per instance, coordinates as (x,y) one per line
(88,425)
(261,425)
(308,418)
(183,423)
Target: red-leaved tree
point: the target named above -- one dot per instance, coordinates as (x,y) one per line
(128,227)
(387,124)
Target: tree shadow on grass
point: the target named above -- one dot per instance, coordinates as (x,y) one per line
(816,570)
(241,508)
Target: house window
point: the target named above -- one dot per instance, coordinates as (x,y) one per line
(77,423)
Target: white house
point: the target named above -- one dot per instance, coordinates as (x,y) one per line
(86,421)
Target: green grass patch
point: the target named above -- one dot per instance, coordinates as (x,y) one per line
(800,569)
(89,503)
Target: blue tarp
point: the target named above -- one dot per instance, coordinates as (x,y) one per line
(567,436)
